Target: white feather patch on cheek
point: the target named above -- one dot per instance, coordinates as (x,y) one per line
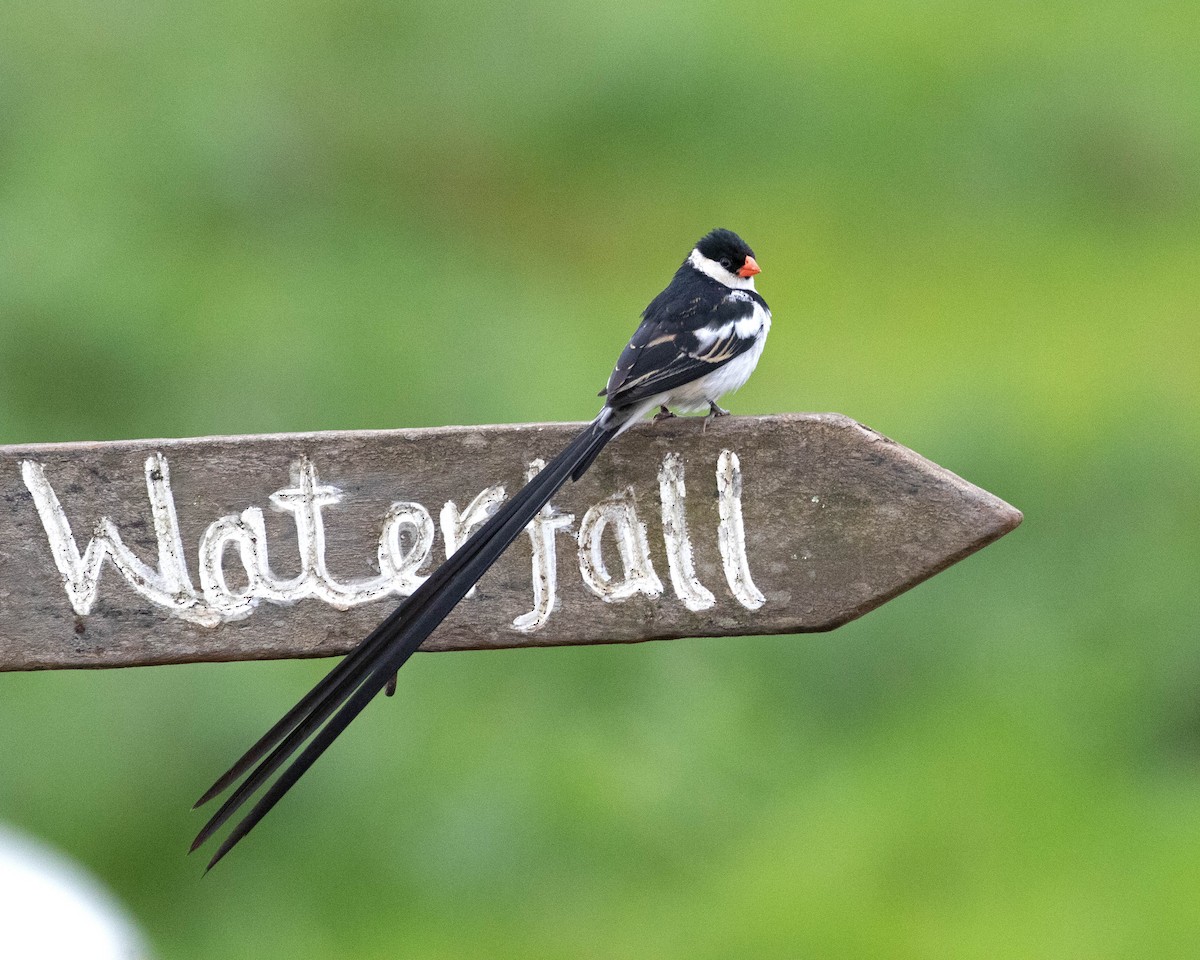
(710,268)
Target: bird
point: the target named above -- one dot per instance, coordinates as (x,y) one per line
(698,340)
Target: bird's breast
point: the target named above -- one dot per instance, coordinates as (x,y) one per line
(732,375)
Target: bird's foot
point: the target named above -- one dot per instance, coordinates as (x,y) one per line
(713,412)
(663,414)
(390,689)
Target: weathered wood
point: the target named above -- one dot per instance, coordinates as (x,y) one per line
(837,519)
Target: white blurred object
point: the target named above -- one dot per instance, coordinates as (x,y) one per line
(51,910)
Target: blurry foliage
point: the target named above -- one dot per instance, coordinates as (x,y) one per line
(978,226)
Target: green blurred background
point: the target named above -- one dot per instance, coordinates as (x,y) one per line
(978,227)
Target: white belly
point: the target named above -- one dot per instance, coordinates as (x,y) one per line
(725,379)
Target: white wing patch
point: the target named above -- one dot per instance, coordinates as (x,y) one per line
(707,336)
(744,329)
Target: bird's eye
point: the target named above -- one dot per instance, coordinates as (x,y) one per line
(725,263)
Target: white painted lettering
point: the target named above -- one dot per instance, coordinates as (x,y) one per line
(169,586)
(397,565)
(249,535)
(457,527)
(731,534)
(638,574)
(405,545)
(673,493)
(545,559)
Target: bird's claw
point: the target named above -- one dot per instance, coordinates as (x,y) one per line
(663,414)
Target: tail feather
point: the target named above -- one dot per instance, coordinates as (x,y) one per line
(347,673)
(581,467)
(352,684)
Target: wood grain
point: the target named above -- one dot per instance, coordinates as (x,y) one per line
(837,519)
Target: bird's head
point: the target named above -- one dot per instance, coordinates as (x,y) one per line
(724,256)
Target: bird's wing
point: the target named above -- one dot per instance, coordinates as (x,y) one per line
(672,348)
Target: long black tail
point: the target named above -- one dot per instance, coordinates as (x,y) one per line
(355,681)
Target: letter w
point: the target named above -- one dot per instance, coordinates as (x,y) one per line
(169,586)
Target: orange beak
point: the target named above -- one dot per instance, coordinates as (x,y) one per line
(749,268)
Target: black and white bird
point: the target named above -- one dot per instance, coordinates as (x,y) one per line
(699,339)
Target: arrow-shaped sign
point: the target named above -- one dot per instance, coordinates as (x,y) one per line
(292,545)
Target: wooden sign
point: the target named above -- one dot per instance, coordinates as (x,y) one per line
(297,545)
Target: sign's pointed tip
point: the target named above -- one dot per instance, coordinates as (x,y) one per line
(1001,517)
(1011,517)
